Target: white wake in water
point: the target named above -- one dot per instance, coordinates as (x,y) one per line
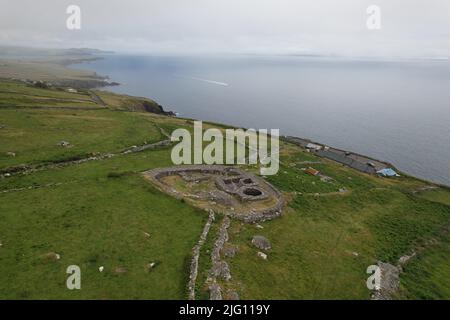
(204,80)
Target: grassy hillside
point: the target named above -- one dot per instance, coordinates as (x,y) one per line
(103,213)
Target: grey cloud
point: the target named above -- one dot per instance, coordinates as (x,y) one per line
(409,28)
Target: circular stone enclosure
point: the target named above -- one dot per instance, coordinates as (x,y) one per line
(253,192)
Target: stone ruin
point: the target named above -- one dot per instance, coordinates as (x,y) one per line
(243,186)
(229,190)
(223,189)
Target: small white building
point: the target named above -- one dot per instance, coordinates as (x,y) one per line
(313,146)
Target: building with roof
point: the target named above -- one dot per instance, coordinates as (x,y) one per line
(313,146)
(344,159)
(388,172)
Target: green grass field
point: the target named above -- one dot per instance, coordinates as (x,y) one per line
(103,213)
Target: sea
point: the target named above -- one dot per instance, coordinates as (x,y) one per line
(393,110)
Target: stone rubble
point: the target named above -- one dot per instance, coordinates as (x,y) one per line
(220,268)
(390,281)
(195,255)
(261,243)
(262,255)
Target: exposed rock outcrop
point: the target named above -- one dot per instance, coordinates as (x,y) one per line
(261,243)
(215,292)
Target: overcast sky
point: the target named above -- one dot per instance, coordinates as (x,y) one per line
(409,28)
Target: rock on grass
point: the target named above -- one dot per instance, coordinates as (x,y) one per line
(261,243)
